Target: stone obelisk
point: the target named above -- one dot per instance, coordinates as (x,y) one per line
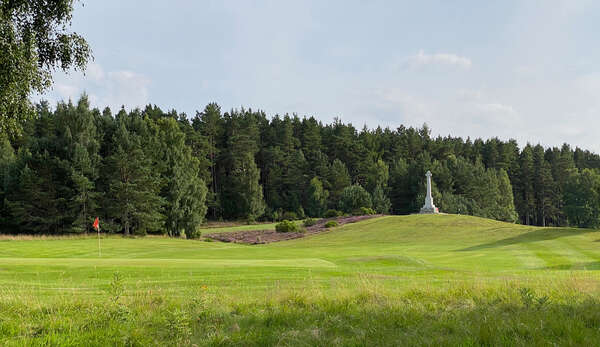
(429,207)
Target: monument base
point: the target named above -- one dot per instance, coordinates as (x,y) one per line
(429,210)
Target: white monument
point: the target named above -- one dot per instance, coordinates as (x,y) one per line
(429,207)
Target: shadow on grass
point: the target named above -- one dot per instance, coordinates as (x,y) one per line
(532,236)
(592,265)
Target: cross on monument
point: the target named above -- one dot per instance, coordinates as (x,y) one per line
(429,207)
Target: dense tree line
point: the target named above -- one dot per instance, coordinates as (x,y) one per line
(149,171)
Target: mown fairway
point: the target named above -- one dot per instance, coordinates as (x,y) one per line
(441,279)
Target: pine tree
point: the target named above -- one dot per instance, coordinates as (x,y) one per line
(85,200)
(562,164)
(7,178)
(134,186)
(506,207)
(525,199)
(208,123)
(489,192)
(241,193)
(316,201)
(311,141)
(400,194)
(378,174)
(338,180)
(543,185)
(294,181)
(582,198)
(76,130)
(39,204)
(183,190)
(381,203)
(245,189)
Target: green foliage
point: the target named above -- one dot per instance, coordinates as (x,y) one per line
(582,198)
(289,215)
(193,234)
(35,41)
(485,192)
(363,211)
(183,188)
(116,287)
(273,215)
(331,224)
(338,179)
(308,222)
(505,201)
(242,194)
(133,195)
(354,197)
(457,204)
(286,226)
(402,193)
(38,204)
(381,203)
(531,300)
(7,178)
(378,176)
(82,152)
(316,198)
(178,326)
(208,125)
(525,197)
(332,213)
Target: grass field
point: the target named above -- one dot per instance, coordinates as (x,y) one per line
(397,280)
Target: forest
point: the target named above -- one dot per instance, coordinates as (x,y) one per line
(150,171)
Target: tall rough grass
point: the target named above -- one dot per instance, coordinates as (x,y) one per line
(364,313)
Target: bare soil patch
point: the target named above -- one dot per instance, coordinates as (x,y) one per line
(227,224)
(255,237)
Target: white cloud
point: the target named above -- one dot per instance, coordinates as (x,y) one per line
(483,114)
(66,92)
(114,88)
(469,94)
(497,109)
(94,72)
(395,106)
(422,59)
(589,84)
(126,88)
(491,119)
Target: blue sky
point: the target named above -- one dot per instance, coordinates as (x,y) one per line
(528,70)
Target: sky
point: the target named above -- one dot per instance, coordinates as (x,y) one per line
(528,70)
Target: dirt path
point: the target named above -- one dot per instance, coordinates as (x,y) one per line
(255,237)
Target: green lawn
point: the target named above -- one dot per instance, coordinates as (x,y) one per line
(417,279)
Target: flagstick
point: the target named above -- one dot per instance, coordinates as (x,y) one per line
(99,252)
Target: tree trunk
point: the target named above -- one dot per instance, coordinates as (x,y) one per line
(126,227)
(84,221)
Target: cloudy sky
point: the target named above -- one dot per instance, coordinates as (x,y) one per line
(528,70)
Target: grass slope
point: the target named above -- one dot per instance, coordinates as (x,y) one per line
(385,280)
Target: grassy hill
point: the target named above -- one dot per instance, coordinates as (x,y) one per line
(468,266)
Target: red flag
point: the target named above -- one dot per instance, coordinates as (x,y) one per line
(96,224)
